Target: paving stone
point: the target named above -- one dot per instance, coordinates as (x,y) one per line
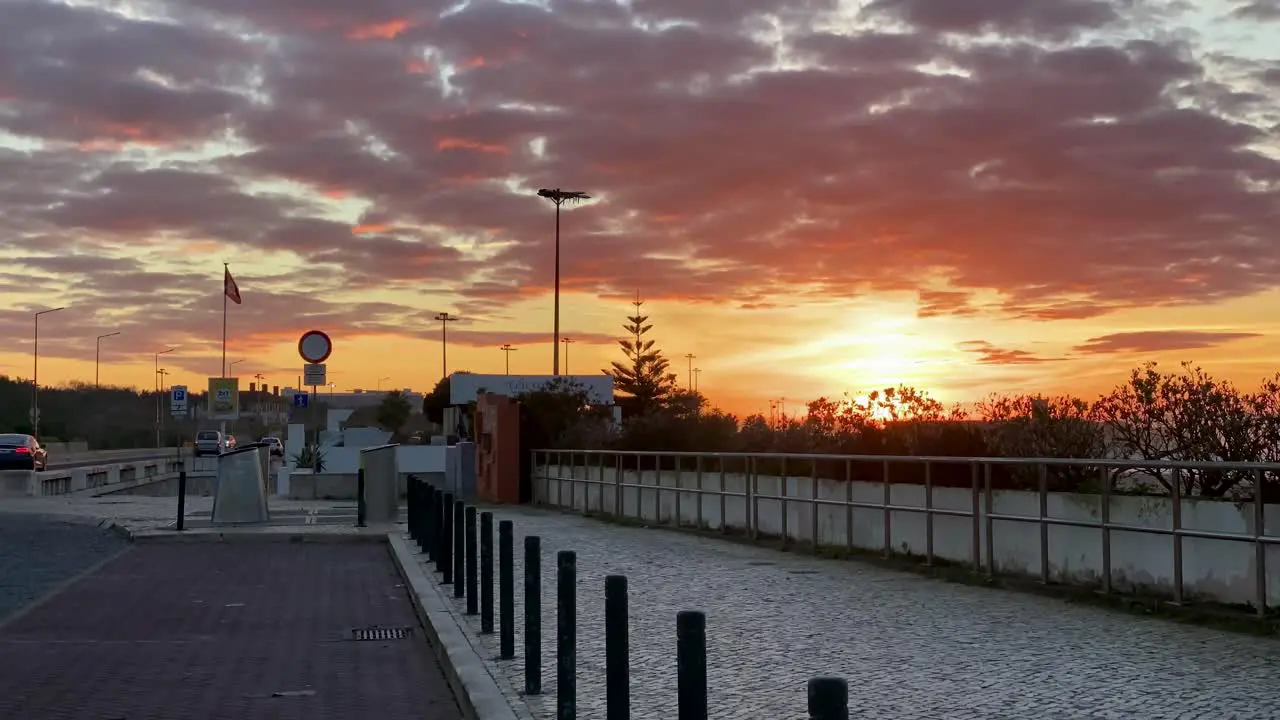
(911,648)
(217,631)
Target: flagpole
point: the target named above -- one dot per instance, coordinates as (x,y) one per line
(225,269)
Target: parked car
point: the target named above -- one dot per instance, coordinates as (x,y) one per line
(208,442)
(277,447)
(22,452)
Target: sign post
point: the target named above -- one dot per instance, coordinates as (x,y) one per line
(315,347)
(178,400)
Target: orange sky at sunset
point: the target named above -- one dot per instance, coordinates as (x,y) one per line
(813,196)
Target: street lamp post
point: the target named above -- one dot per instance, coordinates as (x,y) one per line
(160,417)
(382,380)
(162,352)
(559,197)
(231,367)
(444,318)
(567,342)
(35,372)
(97,356)
(507,349)
(697,372)
(690,357)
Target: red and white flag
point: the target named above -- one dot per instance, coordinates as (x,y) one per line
(229,287)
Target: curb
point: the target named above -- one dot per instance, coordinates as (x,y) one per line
(477,692)
(173,537)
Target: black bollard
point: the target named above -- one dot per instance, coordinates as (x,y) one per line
(473,555)
(182,500)
(360,507)
(486,573)
(617,649)
(533,615)
(444,562)
(828,699)
(566,635)
(411,495)
(459,548)
(691,665)
(506,591)
(433,521)
(426,530)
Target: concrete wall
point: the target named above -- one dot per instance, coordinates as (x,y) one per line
(1218,570)
(410,459)
(24,483)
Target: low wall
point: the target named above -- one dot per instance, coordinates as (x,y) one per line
(306,485)
(1212,569)
(25,483)
(409,458)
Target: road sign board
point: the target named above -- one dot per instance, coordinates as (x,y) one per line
(300,400)
(315,347)
(178,399)
(314,374)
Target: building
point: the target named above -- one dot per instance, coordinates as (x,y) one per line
(357,399)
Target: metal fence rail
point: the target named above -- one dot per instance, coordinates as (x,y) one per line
(610,469)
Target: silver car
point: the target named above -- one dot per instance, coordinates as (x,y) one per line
(209,442)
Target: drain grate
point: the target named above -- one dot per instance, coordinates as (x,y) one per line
(379,633)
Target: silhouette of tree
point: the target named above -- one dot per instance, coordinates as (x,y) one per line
(435,402)
(645,375)
(394,411)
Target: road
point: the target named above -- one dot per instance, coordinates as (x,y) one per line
(137,456)
(215,631)
(37,554)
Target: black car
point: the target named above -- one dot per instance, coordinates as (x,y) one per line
(21,452)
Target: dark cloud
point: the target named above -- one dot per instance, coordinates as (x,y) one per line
(1159,341)
(989,354)
(957,150)
(1262,10)
(1047,18)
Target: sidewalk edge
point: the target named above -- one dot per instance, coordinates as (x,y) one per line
(477,692)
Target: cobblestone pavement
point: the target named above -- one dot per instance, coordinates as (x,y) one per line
(911,648)
(38,553)
(215,631)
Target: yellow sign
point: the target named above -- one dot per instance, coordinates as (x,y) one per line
(224,397)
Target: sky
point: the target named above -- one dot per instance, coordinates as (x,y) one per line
(812,196)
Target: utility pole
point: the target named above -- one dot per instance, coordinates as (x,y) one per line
(696,372)
(567,342)
(690,357)
(559,197)
(444,318)
(97,356)
(507,349)
(160,416)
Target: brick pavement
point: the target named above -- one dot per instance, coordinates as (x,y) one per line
(37,553)
(912,648)
(218,631)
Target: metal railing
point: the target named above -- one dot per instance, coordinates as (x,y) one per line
(628,470)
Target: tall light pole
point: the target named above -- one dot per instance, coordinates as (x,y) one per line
(162,352)
(690,357)
(381,380)
(35,372)
(97,356)
(559,197)
(507,349)
(160,418)
(230,368)
(696,373)
(567,342)
(444,318)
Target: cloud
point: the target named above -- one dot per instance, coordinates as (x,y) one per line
(1260,10)
(1158,341)
(989,354)
(1035,154)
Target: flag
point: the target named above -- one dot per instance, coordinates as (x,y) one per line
(229,287)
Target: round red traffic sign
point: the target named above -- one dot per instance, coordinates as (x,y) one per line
(315,346)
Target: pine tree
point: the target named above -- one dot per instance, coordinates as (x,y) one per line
(644,376)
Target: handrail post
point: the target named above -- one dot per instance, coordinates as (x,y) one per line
(1259,547)
(813,505)
(976,511)
(928,514)
(1042,474)
(1177,536)
(753,505)
(1104,514)
(990,523)
(618,506)
(848,504)
(888,514)
(783,494)
(697,496)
